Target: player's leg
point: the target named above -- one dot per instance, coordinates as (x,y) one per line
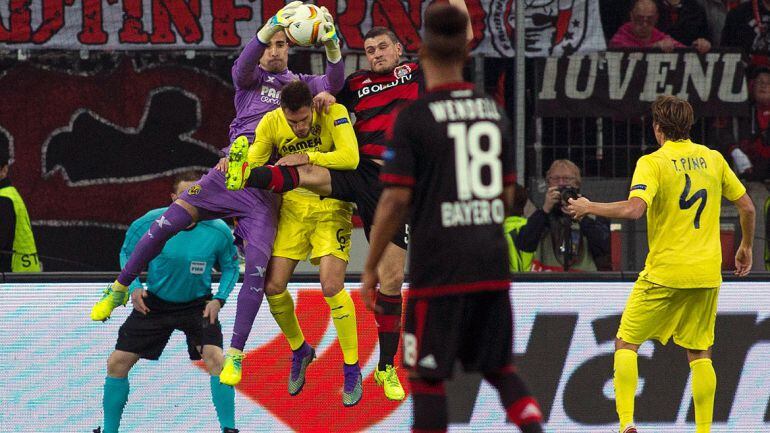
(389,300)
(432,333)
(486,346)
(696,335)
(279,272)
(285,178)
(704,385)
(647,315)
(140,336)
(116,388)
(249,301)
(343,312)
(178,217)
(272,177)
(625,380)
(330,242)
(223,396)
(521,408)
(429,405)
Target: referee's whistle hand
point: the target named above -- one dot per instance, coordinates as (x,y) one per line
(137,300)
(212,310)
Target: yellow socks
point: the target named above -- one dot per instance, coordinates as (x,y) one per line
(282,309)
(704,385)
(344,317)
(626,378)
(117,287)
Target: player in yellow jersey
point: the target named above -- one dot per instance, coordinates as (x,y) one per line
(309,226)
(681,186)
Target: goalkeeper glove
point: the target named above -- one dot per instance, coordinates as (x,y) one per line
(278,22)
(329,37)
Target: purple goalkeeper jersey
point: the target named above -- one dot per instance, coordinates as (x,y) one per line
(258,91)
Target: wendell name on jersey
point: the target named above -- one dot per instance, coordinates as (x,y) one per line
(467,212)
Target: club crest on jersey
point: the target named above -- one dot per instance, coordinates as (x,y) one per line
(315,129)
(402,71)
(194,190)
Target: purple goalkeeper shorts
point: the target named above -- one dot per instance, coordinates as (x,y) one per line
(255,210)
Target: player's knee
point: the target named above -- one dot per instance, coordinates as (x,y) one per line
(391,279)
(214,359)
(117,366)
(331,286)
(273,288)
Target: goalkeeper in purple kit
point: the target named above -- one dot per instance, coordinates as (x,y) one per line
(259,74)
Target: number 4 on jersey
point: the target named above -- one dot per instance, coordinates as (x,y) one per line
(687,203)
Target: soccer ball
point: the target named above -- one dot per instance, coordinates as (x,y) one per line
(305,29)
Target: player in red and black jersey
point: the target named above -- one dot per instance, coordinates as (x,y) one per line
(450,166)
(374,96)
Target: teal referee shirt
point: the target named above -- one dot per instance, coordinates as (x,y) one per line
(182,271)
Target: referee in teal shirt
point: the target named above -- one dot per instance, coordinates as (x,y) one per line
(177,296)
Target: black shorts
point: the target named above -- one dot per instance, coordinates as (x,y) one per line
(362,186)
(476,329)
(147,335)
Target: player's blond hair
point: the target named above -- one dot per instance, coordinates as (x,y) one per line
(673,116)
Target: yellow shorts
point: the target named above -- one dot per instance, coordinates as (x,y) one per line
(309,227)
(658,312)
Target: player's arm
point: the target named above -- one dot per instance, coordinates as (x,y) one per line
(460,4)
(334,77)
(245,73)
(632,208)
(244,70)
(345,154)
(746,216)
(227,261)
(262,147)
(734,191)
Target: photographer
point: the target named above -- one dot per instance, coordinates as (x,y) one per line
(560,243)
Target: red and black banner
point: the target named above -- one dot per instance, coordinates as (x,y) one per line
(553,27)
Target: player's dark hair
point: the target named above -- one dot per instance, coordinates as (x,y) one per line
(519,200)
(444,40)
(296,95)
(186,176)
(379,31)
(674,117)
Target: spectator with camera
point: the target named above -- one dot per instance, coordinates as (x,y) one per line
(560,243)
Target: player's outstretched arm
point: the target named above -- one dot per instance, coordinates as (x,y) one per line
(746,215)
(389,216)
(632,208)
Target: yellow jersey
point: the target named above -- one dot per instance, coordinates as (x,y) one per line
(683,184)
(331,142)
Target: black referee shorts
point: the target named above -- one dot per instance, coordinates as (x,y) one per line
(476,329)
(147,335)
(362,186)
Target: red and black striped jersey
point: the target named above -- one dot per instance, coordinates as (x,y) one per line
(454,148)
(375,99)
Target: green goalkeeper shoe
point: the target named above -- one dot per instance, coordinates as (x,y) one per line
(238,169)
(231,370)
(111,299)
